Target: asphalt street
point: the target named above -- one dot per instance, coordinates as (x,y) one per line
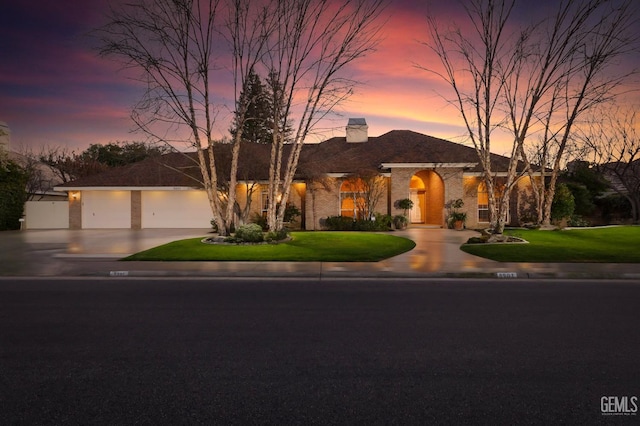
(308,351)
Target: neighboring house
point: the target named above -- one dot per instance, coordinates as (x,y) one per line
(166,193)
(45,208)
(624,179)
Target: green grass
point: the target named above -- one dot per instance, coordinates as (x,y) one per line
(303,247)
(593,245)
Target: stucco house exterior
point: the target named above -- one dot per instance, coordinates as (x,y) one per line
(165,192)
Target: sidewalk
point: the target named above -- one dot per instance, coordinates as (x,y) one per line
(437,254)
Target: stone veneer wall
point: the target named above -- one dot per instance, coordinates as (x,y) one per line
(136,209)
(321,202)
(75,212)
(452,179)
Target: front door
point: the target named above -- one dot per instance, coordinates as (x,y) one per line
(418,197)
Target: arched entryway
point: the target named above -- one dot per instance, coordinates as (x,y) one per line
(427,194)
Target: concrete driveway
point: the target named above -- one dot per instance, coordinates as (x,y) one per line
(47,252)
(96,252)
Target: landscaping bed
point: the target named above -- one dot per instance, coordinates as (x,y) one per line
(620,244)
(301,247)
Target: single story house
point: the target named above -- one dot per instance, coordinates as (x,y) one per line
(166,192)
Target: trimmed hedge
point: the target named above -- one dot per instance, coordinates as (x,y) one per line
(345,223)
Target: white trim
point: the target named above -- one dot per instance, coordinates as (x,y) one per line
(127,188)
(498,174)
(344,175)
(426,165)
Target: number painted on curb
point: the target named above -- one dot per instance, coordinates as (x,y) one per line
(507,274)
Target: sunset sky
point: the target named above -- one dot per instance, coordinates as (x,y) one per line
(55,91)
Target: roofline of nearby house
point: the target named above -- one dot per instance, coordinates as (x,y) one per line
(427,165)
(344,175)
(152,188)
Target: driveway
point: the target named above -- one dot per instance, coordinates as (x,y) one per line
(96,252)
(43,252)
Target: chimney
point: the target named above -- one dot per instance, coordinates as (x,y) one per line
(357,130)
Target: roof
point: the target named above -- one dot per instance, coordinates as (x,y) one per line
(397,146)
(334,155)
(178,169)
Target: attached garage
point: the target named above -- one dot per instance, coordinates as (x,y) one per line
(106,209)
(175,209)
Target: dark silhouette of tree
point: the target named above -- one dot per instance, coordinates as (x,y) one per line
(70,165)
(13,192)
(255,99)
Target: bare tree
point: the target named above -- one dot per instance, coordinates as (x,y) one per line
(527,79)
(172,45)
(368,188)
(306,59)
(614,143)
(66,165)
(566,67)
(473,65)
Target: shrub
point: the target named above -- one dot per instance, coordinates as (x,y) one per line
(250,233)
(382,222)
(577,221)
(339,223)
(563,203)
(400,221)
(260,220)
(276,235)
(476,240)
(291,212)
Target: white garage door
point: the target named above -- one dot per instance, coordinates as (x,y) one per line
(47,214)
(175,209)
(106,209)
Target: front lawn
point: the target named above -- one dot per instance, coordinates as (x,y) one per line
(303,247)
(606,245)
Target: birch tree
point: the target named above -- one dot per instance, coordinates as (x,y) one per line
(569,66)
(531,81)
(172,45)
(473,61)
(306,59)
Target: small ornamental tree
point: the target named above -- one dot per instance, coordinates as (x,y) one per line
(405,205)
(563,203)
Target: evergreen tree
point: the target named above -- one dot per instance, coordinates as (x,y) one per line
(276,94)
(260,99)
(13,193)
(257,127)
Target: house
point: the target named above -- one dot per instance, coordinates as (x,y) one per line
(166,192)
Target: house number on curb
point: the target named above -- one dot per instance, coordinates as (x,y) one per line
(119,273)
(507,274)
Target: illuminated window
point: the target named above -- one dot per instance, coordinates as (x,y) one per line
(352,202)
(483,203)
(264,203)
